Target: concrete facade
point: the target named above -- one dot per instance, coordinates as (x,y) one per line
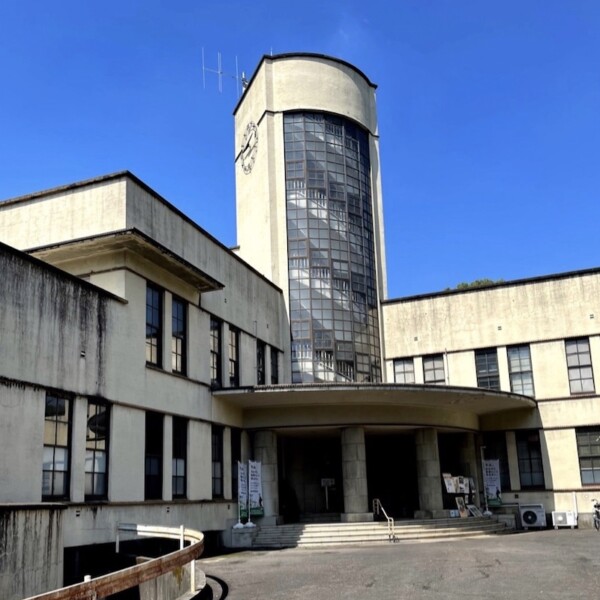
(95,275)
(76,331)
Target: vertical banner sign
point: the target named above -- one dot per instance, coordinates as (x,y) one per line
(255,489)
(243,489)
(491,482)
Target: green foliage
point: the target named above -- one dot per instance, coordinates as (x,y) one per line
(475,284)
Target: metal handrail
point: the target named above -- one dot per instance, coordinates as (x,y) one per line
(132,576)
(378,509)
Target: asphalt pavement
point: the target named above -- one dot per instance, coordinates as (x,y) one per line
(548,564)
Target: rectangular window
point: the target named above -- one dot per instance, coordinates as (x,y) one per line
(215,352)
(433,369)
(579,364)
(234,357)
(274,366)
(260,363)
(519,368)
(404,370)
(486,365)
(178,336)
(96,450)
(495,449)
(180,428)
(236,456)
(217,461)
(154,456)
(154,325)
(57,448)
(529,453)
(588,449)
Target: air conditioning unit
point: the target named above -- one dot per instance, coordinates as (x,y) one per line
(564,518)
(532,515)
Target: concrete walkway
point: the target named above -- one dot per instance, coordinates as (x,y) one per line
(536,564)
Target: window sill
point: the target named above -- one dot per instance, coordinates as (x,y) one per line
(153,367)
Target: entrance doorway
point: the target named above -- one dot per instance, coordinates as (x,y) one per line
(310,477)
(392,473)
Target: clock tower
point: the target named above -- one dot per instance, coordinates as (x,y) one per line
(309,213)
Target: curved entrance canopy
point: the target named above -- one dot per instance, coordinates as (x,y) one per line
(314,405)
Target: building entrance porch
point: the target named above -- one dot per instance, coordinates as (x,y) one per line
(336,473)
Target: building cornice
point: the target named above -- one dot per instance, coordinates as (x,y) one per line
(294,56)
(494,286)
(128,175)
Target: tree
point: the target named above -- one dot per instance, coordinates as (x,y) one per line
(475,284)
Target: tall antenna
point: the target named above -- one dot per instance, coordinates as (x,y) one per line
(219,73)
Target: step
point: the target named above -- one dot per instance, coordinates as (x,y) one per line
(375,536)
(307,535)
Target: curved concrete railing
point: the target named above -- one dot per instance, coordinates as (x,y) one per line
(132,576)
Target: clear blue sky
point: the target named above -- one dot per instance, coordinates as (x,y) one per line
(489,115)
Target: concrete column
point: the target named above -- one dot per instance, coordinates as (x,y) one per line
(513,460)
(227,463)
(265,451)
(77,464)
(428,474)
(354,471)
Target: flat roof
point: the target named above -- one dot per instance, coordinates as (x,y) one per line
(139,242)
(292,55)
(129,175)
(496,285)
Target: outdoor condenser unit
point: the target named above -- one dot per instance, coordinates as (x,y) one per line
(532,515)
(564,518)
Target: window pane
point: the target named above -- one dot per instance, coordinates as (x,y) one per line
(529,454)
(154,325)
(339,224)
(579,361)
(215,351)
(100,484)
(48,458)
(56,450)
(433,369)
(486,366)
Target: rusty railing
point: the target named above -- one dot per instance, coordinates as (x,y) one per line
(98,588)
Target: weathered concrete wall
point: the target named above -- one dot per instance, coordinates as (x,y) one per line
(31,552)
(248,301)
(46,218)
(54,328)
(509,314)
(170,586)
(115,203)
(96,524)
(53,338)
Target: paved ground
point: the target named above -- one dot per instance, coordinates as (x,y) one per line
(536,564)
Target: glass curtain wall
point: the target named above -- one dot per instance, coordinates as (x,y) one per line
(331,252)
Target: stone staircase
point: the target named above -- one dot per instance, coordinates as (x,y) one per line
(311,535)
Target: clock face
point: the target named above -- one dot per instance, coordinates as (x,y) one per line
(249,147)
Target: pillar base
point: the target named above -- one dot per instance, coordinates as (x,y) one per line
(356,517)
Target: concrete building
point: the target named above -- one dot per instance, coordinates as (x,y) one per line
(140,359)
